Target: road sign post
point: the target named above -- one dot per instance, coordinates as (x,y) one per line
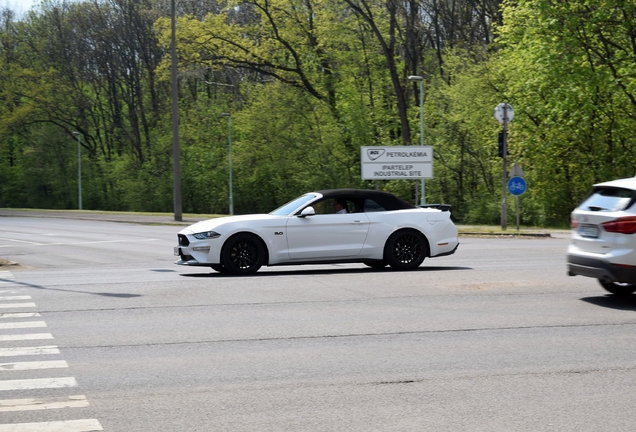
(517,186)
(504,114)
(390,163)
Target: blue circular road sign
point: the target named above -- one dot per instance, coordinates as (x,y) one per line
(517,185)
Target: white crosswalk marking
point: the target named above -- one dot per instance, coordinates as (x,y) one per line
(37,383)
(5,274)
(20,315)
(8,300)
(88,425)
(23,324)
(24,351)
(32,336)
(42,404)
(51,364)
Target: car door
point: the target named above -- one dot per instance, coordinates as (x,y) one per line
(326,236)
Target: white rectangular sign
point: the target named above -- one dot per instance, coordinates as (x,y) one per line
(386,163)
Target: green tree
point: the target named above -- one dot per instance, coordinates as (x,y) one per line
(569,71)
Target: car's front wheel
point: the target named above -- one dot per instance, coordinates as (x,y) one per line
(405,250)
(243,254)
(621,289)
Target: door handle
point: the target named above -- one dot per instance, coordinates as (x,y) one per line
(358,222)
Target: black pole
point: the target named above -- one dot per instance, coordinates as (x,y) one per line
(504,204)
(176,151)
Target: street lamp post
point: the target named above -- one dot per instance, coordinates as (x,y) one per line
(176,146)
(421,81)
(229,144)
(79,168)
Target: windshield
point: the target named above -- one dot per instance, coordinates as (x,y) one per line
(294,205)
(608,199)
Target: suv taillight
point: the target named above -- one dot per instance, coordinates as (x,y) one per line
(573,223)
(624,225)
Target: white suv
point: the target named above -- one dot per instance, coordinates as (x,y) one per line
(604,236)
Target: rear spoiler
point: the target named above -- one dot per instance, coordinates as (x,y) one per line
(442,207)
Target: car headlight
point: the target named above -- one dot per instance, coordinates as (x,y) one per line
(206,235)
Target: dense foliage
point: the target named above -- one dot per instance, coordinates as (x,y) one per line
(307,83)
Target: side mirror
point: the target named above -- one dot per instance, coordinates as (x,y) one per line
(307,211)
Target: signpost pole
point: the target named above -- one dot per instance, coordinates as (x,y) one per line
(423,190)
(79,169)
(504,156)
(516,186)
(517,210)
(504,113)
(421,81)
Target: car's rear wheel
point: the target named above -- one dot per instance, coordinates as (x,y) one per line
(405,250)
(243,254)
(621,289)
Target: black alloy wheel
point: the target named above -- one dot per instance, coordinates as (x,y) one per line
(405,250)
(243,254)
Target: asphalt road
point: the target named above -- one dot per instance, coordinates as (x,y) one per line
(493,338)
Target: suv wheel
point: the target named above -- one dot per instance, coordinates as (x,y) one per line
(621,289)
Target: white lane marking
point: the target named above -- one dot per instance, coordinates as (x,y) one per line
(20,315)
(5,274)
(22,324)
(75,244)
(17,241)
(16,305)
(43,404)
(12,298)
(20,366)
(24,351)
(30,336)
(86,425)
(38,383)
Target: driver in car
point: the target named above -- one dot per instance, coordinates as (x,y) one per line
(339,206)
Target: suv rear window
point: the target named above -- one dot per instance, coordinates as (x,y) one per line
(609,199)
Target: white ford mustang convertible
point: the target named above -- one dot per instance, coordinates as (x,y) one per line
(328,226)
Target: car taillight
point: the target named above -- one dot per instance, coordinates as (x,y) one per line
(624,225)
(573,223)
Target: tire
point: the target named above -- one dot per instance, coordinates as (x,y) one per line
(617,288)
(405,250)
(243,254)
(375,264)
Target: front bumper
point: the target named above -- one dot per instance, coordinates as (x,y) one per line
(193,252)
(600,269)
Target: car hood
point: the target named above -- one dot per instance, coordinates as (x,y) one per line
(212,224)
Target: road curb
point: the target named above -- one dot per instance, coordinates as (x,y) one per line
(517,234)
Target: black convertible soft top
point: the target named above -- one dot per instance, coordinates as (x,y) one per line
(385,199)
